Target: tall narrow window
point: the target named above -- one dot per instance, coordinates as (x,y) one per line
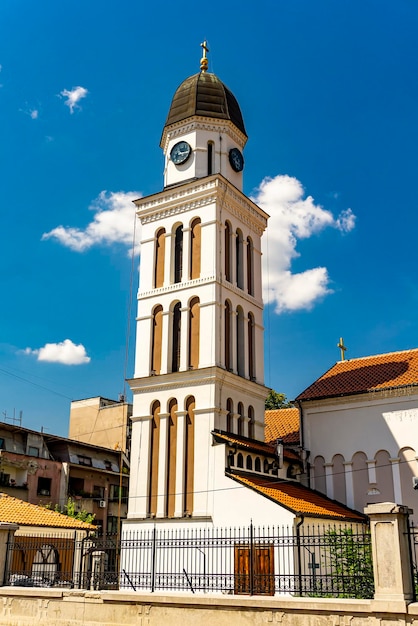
(159,258)
(240,418)
(240,342)
(189,469)
(157,334)
(171,458)
(228,258)
(194,333)
(227,329)
(251,347)
(210,157)
(178,254)
(250,266)
(195,248)
(175,363)
(154,447)
(251,422)
(229,415)
(239,260)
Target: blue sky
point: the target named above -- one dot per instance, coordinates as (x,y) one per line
(329,96)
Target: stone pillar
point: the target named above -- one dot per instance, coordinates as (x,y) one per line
(391,556)
(97,569)
(7,533)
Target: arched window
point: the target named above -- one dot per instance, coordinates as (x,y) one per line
(159,258)
(240,418)
(155,447)
(195,248)
(240,342)
(228,335)
(228,256)
(229,416)
(194,333)
(178,254)
(171,458)
(266,466)
(250,266)
(249,462)
(251,421)
(239,259)
(251,346)
(156,339)
(257,464)
(211,154)
(45,563)
(240,460)
(189,469)
(176,338)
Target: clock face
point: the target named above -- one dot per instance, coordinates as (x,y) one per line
(180,152)
(236,159)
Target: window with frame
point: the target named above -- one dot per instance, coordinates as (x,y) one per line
(44,486)
(84,460)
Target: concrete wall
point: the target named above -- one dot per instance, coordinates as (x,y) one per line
(21,607)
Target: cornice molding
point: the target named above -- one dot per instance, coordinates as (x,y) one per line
(198,122)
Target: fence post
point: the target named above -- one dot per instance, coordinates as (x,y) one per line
(154,554)
(7,533)
(391,555)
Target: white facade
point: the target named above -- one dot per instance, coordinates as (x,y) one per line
(363,448)
(199,348)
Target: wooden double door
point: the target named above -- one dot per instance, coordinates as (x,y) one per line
(254,569)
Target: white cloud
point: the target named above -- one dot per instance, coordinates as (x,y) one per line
(73,96)
(34,114)
(113,222)
(65,352)
(293,217)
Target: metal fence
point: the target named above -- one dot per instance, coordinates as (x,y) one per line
(316,561)
(413,543)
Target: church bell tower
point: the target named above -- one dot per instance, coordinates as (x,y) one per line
(199,347)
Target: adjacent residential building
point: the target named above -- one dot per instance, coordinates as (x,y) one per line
(46,469)
(101,422)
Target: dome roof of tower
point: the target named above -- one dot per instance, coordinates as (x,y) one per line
(204,94)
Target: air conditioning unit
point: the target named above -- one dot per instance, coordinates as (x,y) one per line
(102,504)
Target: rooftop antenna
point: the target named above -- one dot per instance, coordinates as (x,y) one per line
(12,418)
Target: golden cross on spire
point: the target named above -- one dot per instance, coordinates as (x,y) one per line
(204,60)
(342,347)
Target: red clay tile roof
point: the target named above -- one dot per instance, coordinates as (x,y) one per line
(282,424)
(243,442)
(299,499)
(15,511)
(383,371)
(253,445)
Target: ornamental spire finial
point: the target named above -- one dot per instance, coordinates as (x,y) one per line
(204,60)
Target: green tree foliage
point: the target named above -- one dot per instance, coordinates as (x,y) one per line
(70,510)
(350,561)
(277,401)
